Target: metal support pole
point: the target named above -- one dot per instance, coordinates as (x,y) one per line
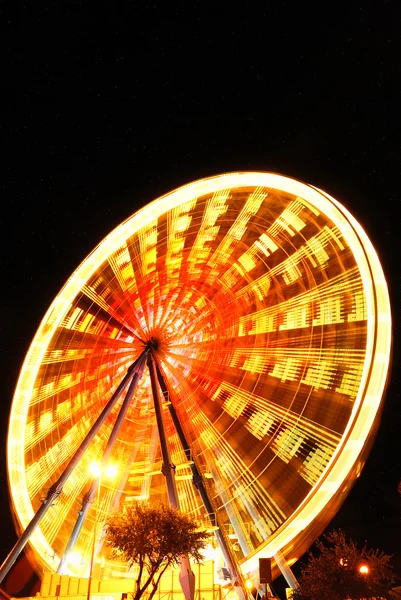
(89,496)
(168,468)
(286,571)
(98,481)
(198,483)
(187,578)
(57,487)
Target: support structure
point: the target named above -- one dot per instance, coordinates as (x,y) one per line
(168,468)
(131,379)
(90,495)
(286,571)
(198,483)
(92,560)
(57,487)
(187,578)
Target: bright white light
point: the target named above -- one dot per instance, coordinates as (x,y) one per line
(111,471)
(108,471)
(94,468)
(74,559)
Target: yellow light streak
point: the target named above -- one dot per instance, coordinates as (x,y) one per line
(275,317)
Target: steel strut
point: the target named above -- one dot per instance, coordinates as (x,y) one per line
(57,487)
(90,495)
(187,578)
(198,483)
(236,577)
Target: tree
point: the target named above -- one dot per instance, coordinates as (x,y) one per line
(342,570)
(153,538)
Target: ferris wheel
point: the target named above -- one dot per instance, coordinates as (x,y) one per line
(248,312)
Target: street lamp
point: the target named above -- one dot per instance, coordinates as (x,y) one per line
(97,470)
(364,570)
(249,584)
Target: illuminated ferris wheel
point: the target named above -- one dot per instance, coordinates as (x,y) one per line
(249,313)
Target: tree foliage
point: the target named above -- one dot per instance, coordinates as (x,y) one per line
(334,574)
(153,538)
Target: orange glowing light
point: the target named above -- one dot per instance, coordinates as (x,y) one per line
(270,316)
(364,569)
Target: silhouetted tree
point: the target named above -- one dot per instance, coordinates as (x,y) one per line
(153,538)
(342,570)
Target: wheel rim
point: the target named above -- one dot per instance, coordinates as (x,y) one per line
(273,329)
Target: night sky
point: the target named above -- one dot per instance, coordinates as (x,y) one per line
(104,111)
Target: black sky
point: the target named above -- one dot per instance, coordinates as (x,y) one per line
(105,109)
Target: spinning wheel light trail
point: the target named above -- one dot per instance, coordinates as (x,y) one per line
(269,319)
